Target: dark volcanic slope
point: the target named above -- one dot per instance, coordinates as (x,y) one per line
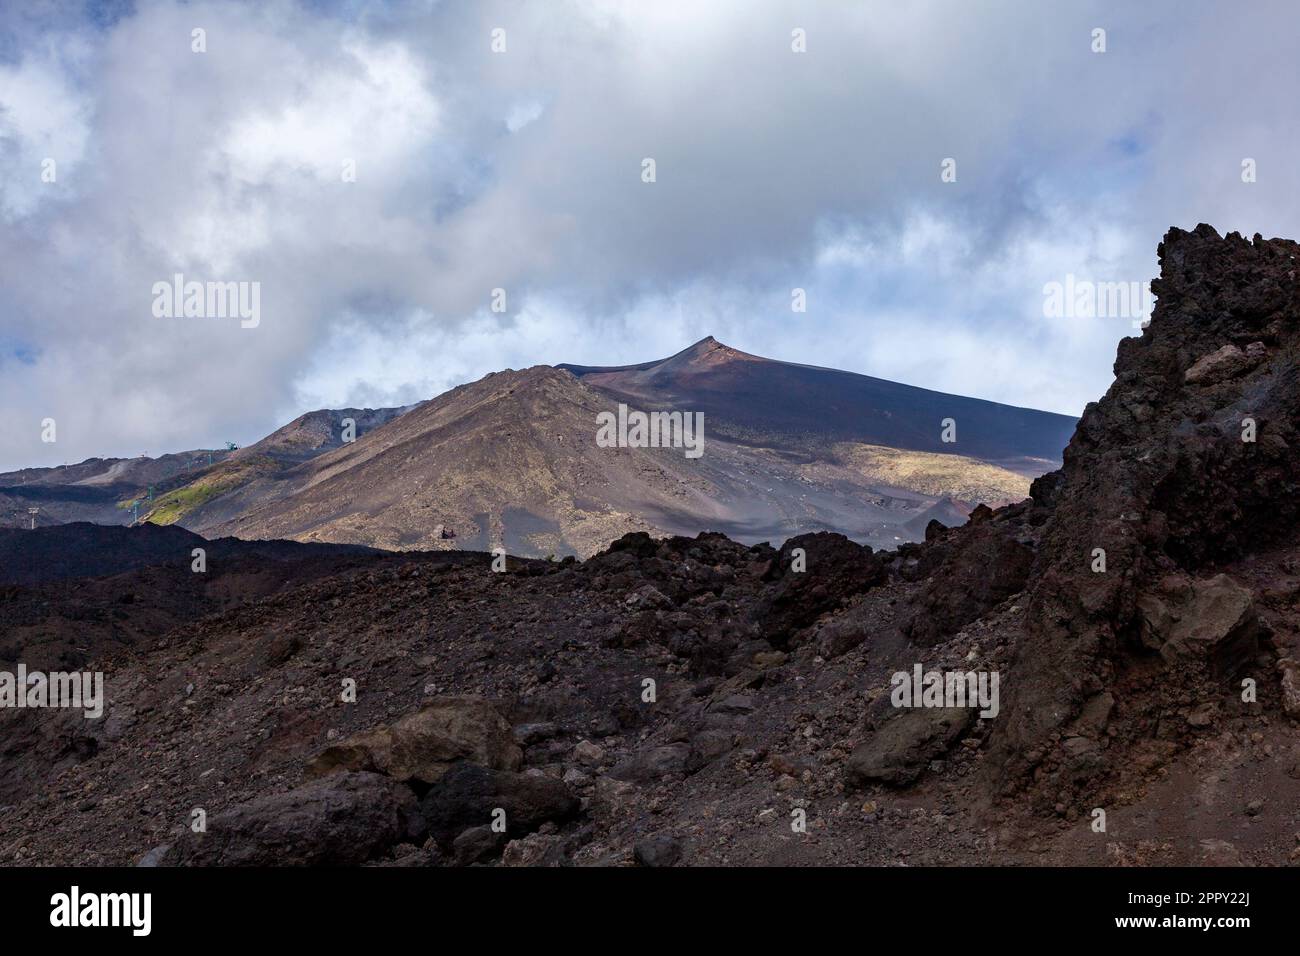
(80,549)
(80,592)
(773,396)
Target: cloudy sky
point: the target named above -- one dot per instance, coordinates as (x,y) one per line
(521,169)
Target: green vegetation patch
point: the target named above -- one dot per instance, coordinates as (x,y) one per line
(172,506)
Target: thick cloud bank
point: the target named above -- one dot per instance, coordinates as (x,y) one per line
(380,169)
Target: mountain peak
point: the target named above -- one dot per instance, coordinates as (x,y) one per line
(707,348)
(768,396)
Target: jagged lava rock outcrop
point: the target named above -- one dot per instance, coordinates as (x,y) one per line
(1162,477)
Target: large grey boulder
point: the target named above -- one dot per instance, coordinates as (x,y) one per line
(422,746)
(898,750)
(342,820)
(1212,620)
(1225,363)
(653,764)
(468,796)
(1289,680)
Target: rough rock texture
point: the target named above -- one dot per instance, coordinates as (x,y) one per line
(422,746)
(1290,684)
(1227,363)
(468,795)
(657,851)
(898,751)
(1158,477)
(833,569)
(343,820)
(654,763)
(975,571)
(1212,620)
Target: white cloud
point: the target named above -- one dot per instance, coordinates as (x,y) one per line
(42,117)
(522,171)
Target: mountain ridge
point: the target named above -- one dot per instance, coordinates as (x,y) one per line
(508,461)
(728,383)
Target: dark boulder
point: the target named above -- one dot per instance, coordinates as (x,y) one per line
(980,569)
(468,795)
(835,569)
(342,820)
(657,851)
(898,750)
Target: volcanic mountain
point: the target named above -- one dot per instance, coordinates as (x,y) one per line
(97,489)
(770,398)
(513,461)
(163,490)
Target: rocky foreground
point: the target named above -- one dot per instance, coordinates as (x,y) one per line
(696,701)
